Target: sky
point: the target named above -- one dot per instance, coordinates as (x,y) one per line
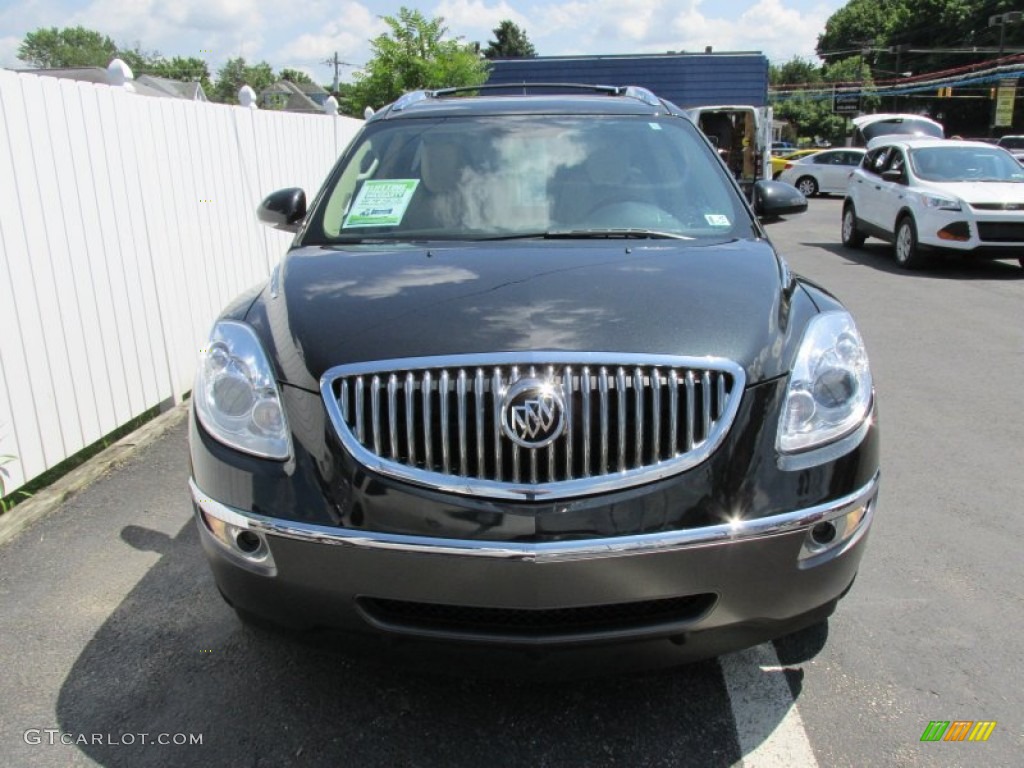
(303,34)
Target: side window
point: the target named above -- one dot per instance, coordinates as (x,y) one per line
(824,158)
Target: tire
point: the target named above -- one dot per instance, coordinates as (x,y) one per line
(905,247)
(807,185)
(852,237)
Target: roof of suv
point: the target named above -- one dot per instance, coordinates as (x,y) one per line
(584,100)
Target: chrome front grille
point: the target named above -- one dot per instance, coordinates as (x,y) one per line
(628,419)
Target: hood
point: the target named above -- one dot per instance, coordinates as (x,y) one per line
(332,306)
(980,191)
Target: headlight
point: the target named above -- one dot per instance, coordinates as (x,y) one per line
(829,391)
(236,395)
(941,203)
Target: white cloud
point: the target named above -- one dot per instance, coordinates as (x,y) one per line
(476,20)
(9,52)
(776,27)
(349,35)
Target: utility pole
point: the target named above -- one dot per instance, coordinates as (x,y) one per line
(1001,19)
(337,64)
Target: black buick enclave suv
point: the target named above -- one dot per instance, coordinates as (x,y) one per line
(532,375)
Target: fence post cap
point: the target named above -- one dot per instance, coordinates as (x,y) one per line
(119,73)
(247,97)
(331,106)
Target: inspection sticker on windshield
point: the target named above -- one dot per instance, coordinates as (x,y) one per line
(381,203)
(716,219)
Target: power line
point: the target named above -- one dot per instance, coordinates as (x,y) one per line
(337,64)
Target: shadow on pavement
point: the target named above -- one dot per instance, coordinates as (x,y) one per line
(878,255)
(173,659)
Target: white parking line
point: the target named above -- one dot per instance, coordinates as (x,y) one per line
(768,725)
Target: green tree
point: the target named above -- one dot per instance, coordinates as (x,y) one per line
(68,47)
(140,61)
(796,71)
(510,42)
(811,109)
(883,30)
(236,73)
(295,76)
(413,55)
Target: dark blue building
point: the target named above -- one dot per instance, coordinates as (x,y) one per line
(687,79)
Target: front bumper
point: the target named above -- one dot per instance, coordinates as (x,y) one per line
(710,589)
(979,230)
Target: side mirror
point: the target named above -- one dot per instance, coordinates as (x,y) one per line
(283,209)
(892,174)
(777,198)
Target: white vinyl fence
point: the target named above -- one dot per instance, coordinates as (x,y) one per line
(126,223)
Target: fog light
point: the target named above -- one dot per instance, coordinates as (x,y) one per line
(823,533)
(836,534)
(957,231)
(248,542)
(247,546)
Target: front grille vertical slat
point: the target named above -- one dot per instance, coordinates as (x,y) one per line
(478,410)
(360,415)
(620,402)
(427,396)
(638,418)
(655,416)
(497,394)
(551,448)
(375,412)
(570,424)
(673,414)
(516,470)
(620,417)
(393,415)
(690,411)
(705,391)
(602,392)
(460,394)
(443,383)
(585,415)
(410,418)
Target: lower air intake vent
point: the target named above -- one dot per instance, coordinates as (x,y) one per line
(463,620)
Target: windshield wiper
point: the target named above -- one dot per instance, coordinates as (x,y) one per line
(630,232)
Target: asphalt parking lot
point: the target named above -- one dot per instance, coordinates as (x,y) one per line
(115,639)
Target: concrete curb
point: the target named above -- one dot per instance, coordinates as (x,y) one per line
(47,500)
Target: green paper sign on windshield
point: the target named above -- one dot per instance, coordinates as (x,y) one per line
(381,203)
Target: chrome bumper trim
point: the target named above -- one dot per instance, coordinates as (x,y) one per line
(638,544)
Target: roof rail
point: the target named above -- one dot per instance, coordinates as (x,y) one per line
(632,91)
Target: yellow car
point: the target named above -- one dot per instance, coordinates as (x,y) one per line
(779,161)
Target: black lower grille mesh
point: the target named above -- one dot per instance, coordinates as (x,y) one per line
(1001,232)
(535,622)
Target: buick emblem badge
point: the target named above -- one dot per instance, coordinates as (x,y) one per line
(533,412)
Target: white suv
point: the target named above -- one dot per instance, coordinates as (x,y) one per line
(920,194)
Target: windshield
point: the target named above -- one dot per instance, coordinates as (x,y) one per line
(1012,142)
(965,163)
(529,176)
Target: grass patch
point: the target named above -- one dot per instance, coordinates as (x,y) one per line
(54,473)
